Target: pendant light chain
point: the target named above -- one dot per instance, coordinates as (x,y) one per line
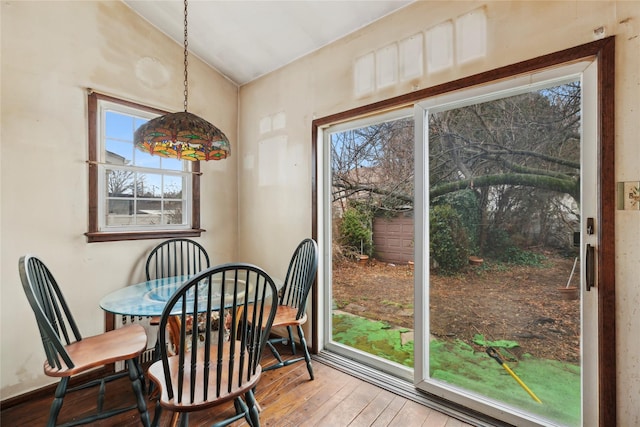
(186,73)
(182,135)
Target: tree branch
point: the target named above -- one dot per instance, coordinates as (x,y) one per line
(567,186)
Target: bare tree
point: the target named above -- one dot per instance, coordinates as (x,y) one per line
(520,155)
(374,164)
(120,182)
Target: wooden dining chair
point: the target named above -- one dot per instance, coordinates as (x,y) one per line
(220,361)
(292,306)
(69,354)
(176,257)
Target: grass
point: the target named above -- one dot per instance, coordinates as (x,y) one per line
(373,337)
(556,384)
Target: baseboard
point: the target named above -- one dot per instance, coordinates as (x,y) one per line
(49,390)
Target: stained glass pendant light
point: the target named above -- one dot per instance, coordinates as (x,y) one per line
(182,135)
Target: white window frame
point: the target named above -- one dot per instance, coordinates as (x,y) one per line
(103,108)
(100,229)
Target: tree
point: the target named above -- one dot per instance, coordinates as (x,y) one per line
(519,154)
(375,163)
(120,182)
(529,140)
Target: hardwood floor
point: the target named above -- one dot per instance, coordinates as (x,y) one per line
(287,397)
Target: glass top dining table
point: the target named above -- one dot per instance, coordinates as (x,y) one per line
(147,298)
(142,299)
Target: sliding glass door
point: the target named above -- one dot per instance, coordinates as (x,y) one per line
(478,261)
(506,184)
(370,178)
(494,317)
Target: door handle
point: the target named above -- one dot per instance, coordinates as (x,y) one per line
(590,266)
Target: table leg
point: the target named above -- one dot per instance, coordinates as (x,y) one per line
(173,326)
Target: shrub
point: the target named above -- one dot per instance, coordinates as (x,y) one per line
(449,243)
(465,203)
(355,231)
(500,247)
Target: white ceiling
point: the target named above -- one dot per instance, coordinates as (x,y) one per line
(247,39)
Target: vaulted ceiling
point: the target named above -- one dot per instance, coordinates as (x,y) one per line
(247,39)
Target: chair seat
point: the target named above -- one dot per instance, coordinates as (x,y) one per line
(156,374)
(286,316)
(113,346)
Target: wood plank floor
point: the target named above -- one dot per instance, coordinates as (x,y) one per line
(287,397)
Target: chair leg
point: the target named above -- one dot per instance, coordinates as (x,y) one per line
(281,362)
(237,404)
(184,419)
(254,415)
(134,376)
(274,351)
(291,340)
(157,414)
(241,409)
(56,405)
(307,356)
(156,357)
(143,380)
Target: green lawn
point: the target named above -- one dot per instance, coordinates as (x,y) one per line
(556,384)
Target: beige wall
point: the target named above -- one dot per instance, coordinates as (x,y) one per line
(322,84)
(51,53)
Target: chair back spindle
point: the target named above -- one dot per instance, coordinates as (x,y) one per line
(300,276)
(176,257)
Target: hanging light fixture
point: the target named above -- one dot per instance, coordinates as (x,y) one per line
(182,135)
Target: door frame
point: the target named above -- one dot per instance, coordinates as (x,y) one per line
(604,51)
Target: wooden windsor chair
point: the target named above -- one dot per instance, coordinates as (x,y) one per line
(69,354)
(216,363)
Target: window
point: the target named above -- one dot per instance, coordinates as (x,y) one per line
(132,194)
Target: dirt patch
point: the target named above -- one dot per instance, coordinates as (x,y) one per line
(515,303)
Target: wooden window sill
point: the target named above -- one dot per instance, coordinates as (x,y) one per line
(101,236)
